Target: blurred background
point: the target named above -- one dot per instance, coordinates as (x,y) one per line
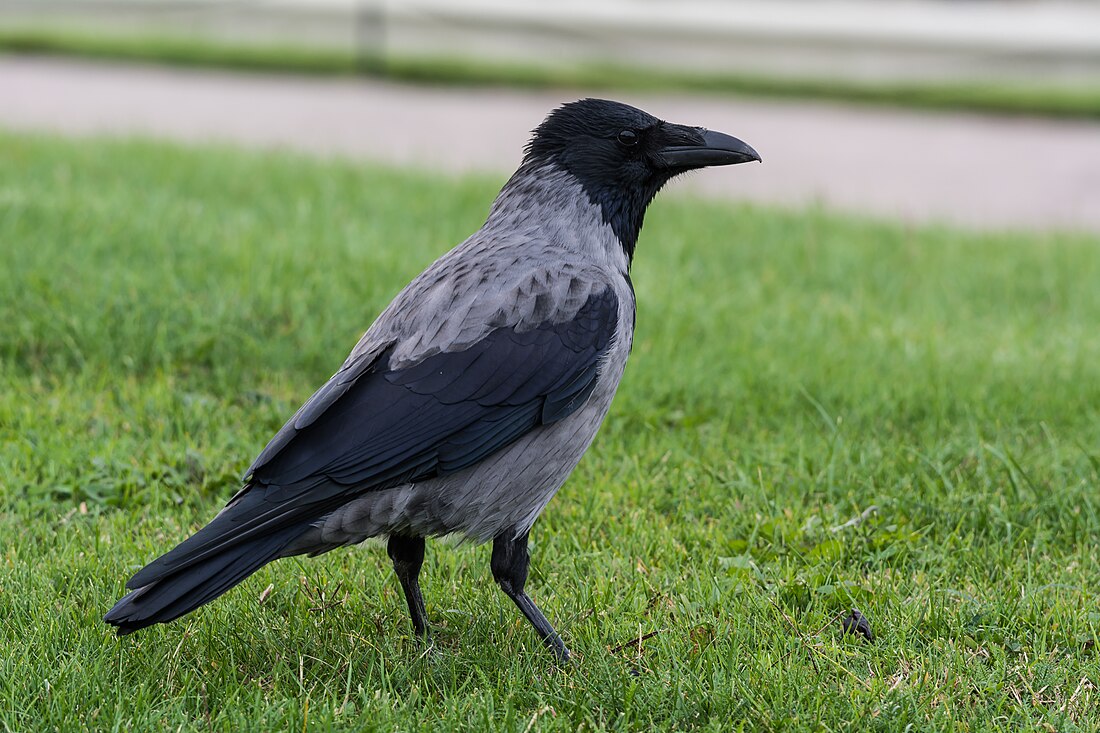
(975,112)
(888,40)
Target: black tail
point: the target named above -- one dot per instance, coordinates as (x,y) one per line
(189,587)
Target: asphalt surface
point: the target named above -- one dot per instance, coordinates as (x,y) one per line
(975,170)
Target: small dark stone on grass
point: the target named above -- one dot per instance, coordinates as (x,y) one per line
(856,623)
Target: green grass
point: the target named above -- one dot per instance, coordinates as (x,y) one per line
(164,309)
(1056,100)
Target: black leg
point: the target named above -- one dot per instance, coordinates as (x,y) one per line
(509,563)
(407,554)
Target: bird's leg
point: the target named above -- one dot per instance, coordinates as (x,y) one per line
(407,554)
(509,564)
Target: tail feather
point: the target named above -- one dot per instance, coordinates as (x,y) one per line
(242,522)
(181,592)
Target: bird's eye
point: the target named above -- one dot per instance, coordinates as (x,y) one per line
(628,138)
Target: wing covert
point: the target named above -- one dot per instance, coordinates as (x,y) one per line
(419,417)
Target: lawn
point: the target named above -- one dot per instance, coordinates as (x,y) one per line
(164,309)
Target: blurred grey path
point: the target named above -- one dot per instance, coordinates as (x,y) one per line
(968,169)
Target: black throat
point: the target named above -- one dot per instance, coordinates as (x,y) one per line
(623,209)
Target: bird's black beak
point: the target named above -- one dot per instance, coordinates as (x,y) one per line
(700,148)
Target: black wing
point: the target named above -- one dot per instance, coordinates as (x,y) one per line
(388,427)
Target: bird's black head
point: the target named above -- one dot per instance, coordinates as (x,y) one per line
(622,156)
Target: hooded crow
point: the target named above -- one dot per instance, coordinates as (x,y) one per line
(469,401)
